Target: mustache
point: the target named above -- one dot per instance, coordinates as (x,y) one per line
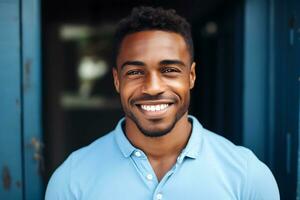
(147,97)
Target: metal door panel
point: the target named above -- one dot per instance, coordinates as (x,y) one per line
(31,91)
(10,102)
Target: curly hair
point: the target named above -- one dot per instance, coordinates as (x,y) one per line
(149,18)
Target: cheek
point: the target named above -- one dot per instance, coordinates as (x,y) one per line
(127,91)
(180,87)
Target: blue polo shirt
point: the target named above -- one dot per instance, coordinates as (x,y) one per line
(210,167)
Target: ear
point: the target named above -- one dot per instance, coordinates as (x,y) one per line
(192,75)
(116,79)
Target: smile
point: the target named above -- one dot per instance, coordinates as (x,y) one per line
(155,108)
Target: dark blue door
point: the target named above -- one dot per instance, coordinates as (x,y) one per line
(271,88)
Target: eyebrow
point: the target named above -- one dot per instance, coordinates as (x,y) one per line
(134,62)
(171,62)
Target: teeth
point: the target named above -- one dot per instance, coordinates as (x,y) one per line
(154,107)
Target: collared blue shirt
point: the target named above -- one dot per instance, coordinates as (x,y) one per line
(209,167)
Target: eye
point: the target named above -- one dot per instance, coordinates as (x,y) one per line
(134,72)
(169,70)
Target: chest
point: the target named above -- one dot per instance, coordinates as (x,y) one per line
(187,180)
(162,166)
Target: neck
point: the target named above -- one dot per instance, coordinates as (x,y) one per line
(163,147)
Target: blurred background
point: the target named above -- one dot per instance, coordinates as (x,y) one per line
(58,95)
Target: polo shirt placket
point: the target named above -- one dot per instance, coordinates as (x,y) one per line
(147,173)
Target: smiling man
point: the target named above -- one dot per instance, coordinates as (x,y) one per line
(158,151)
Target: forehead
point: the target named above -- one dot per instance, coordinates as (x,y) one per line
(153,45)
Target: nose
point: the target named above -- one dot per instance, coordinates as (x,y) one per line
(153,85)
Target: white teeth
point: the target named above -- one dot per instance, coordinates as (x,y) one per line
(153,108)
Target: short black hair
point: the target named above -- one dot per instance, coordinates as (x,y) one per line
(149,18)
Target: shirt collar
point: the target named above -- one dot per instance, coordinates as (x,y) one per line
(192,149)
(125,146)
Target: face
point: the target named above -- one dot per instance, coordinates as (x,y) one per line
(154,76)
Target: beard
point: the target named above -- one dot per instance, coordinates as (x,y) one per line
(153,132)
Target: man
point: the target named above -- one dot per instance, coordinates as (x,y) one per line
(158,151)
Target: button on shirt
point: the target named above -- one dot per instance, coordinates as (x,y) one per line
(209,167)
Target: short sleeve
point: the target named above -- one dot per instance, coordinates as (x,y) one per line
(261,184)
(59,185)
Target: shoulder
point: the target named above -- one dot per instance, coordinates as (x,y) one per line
(97,150)
(79,166)
(225,149)
(217,146)
(240,162)
(261,183)
(104,148)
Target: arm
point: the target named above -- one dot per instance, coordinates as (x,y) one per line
(261,184)
(59,186)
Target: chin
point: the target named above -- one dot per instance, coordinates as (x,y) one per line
(155,133)
(156,130)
